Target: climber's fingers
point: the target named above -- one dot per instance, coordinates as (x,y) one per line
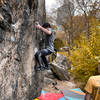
(38,26)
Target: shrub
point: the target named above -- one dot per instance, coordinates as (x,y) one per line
(85,56)
(58,44)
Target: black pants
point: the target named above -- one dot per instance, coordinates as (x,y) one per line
(40,56)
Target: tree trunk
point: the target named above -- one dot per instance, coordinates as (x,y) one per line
(18,41)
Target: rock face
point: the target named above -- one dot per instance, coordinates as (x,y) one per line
(18,41)
(60,66)
(2,2)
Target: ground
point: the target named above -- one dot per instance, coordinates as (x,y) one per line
(60,86)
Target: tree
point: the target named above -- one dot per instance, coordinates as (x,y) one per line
(65,13)
(86,6)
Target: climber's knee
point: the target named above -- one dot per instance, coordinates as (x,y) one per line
(36,55)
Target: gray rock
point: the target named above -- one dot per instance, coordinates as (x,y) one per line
(48,81)
(49,74)
(98,15)
(18,40)
(60,66)
(71,85)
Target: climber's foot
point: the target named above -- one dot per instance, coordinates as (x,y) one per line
(39,68)
(47,67)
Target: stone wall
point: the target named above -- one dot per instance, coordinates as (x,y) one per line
(18,41)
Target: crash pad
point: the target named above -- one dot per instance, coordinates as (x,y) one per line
(73,94)
(50,96)
(62,98)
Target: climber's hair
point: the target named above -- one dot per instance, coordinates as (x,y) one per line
(46,25)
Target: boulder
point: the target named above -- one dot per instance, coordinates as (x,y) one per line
(18,42)
(49,74)
(60,67)
(48,81)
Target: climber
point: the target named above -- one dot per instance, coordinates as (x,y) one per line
(92,87)
(40,55)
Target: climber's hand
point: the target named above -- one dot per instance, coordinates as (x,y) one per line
(38,26)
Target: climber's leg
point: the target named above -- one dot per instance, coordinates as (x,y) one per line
(41,58)
(46,63)
(45,60)
(39,61)
(44,53)
(38,58)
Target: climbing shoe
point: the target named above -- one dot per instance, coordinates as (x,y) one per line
(47,68)
(39,68)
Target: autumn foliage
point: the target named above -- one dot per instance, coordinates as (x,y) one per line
(86,53)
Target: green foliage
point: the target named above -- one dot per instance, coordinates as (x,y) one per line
(84,57)
(58,44)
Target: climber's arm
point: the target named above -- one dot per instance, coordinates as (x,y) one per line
(43,29)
